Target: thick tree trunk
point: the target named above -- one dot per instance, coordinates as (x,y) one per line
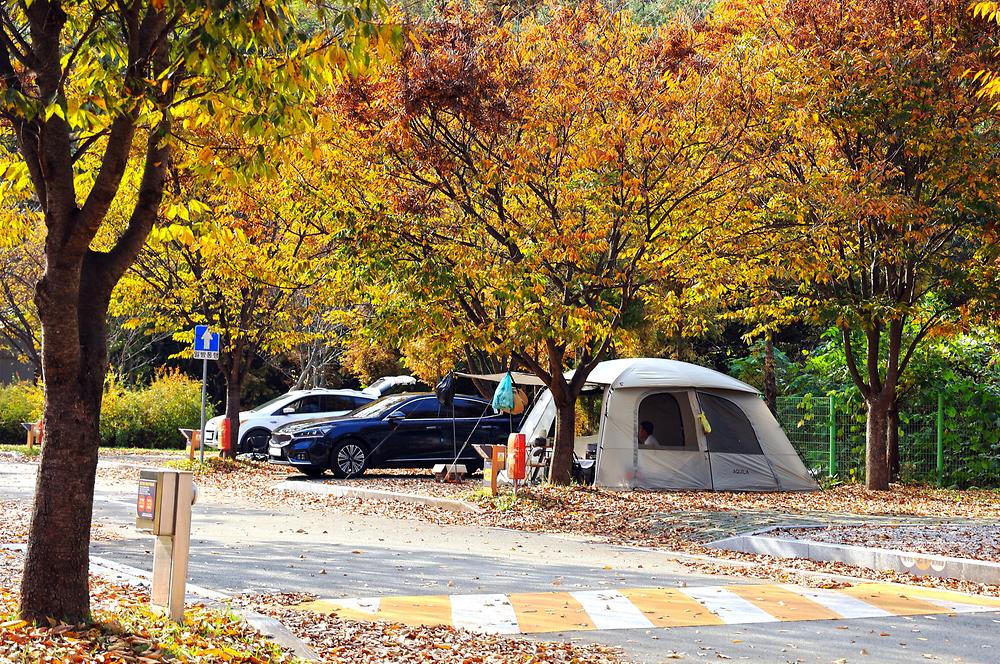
(561,470)
(880,395)
(876,464)
(892,441)
(55,577)
(233,413)
(770,380)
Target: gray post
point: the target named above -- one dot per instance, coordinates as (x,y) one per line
(204,383)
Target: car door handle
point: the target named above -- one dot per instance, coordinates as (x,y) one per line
(430,428)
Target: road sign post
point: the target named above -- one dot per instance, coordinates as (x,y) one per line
(206,347)
(204,384)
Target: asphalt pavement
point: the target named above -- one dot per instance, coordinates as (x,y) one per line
(238,548)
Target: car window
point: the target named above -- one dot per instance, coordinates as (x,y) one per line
(421,409)
(359,401)
(302,406)
(379,407)
(335,402)
(268,404)
(469,408)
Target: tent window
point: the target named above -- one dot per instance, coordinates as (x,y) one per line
(731,432)
(664,414)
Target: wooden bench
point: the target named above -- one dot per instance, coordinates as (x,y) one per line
(34,433)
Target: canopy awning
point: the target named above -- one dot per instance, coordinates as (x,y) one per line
(639,372)
(519,377)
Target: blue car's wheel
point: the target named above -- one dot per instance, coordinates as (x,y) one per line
(349,459)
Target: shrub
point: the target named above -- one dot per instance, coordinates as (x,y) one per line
(146,417)
(20,402)
(150,417)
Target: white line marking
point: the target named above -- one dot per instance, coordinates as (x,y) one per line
(956,607)
(112,501)
(729,606)
(117,575)
(486,613)
(143,577)
(609,609)
(844,605)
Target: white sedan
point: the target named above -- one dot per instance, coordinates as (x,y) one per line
(256,425)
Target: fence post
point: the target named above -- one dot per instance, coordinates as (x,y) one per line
(940,440)
(833,437)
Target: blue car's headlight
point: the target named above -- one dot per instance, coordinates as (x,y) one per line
(317,432)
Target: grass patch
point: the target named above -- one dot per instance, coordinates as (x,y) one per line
(504,501)
(216,465)
(122,451)
(104,451)
(22,450)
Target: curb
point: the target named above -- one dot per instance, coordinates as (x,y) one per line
(304,486)
(278,633)
(947,567)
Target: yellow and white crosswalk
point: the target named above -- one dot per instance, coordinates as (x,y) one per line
(639,608)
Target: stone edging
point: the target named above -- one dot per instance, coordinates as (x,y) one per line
(277,632)
(918,564)
(306,486)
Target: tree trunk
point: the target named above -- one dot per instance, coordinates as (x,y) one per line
(880,395)
(892,440)
(233,384)
(55,576)
(770,380)
(561,470)
(876,463)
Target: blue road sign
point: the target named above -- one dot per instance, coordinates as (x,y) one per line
(206,343)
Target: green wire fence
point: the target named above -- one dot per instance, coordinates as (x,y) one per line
(939,443)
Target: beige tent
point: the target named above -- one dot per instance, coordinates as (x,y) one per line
(710,431)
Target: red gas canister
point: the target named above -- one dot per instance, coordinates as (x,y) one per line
(224,443)
(516,456)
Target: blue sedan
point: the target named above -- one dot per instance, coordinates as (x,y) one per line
(398,431)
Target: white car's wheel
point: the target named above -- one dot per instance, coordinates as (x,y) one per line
(255,441)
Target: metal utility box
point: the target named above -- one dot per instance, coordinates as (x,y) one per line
(163,508)
(155,501)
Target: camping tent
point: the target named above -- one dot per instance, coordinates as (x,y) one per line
(711,431)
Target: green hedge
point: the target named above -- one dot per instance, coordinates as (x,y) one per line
(146,417)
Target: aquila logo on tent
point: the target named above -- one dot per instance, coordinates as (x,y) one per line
(741,471)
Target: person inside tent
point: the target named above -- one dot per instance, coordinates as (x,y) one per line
(646,436)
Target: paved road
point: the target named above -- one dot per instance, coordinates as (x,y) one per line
(415,568)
